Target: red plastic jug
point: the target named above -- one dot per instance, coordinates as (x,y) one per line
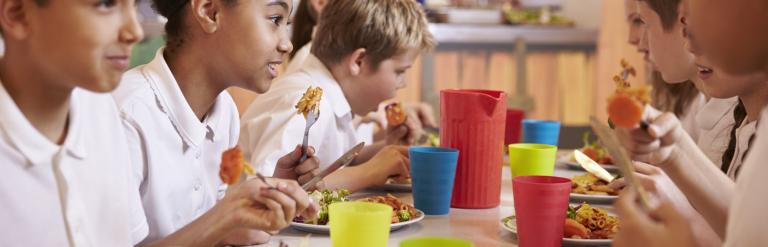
(472,121)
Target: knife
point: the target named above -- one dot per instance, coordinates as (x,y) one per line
(343,161)
(591,166)
(620,157)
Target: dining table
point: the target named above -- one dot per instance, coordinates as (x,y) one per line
(482,227)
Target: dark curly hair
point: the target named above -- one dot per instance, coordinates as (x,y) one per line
(173,10)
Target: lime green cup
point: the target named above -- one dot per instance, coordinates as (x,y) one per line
(357,224)
(435,241)
(527,159)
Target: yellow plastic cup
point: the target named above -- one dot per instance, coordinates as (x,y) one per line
(435,241)
(357,224)
(526,159)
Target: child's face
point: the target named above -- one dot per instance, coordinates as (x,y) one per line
(81,43)
(253,40)
(636,26)
(732,34)
(718,84)
(373,86)
(666,48)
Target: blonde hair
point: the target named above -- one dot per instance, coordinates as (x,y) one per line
(384,28)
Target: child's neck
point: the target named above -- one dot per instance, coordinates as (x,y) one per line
(755,101)
(43,102)
(195,80)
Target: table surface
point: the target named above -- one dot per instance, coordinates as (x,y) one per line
(480,226)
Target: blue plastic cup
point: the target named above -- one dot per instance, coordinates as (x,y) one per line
(541,132)
(433,171)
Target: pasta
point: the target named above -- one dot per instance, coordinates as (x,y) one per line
(401,211)
(309,101)
(599,224)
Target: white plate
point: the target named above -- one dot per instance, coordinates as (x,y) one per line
(592,199)
(510,225)
(325,229)
(570,164)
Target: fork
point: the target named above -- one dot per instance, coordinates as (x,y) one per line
(312,117)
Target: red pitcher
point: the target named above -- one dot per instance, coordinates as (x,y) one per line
(472,121)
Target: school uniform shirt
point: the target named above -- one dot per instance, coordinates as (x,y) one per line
(689,118)
(299,58)
(715,121)
(743,135)
(75,194)
(272,128)
(747,214)
(175,155)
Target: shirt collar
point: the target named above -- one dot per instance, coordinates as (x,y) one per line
(172,103)
(35,147)
(714,111)
(332,92)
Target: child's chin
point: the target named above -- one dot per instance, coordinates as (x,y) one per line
(105,85)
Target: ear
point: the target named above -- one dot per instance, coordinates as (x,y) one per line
(13,18)
(206,14)
(356,61)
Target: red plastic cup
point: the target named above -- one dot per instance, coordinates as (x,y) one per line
(514,126)
(541,203)
(472,121)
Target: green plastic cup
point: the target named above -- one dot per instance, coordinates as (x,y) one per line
(357,224)
(527,159)
(435,241)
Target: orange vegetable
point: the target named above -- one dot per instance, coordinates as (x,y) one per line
(395,114)
(574,229)
(233,166)
(624,110)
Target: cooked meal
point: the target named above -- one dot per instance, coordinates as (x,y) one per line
(587,222)
(401,211)
(233,166)
(324,198)
(589,184)
(626,105)
(395,114)
(594,151)
(310,101)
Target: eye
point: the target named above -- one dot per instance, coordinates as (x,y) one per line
(105,4)
(276,19)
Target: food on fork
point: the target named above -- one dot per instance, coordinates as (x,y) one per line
(395,114)
(233,166)
(626,105)
(309,101)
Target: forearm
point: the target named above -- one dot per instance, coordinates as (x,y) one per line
(369,151)
(705,186)
(206,230)
(351,178)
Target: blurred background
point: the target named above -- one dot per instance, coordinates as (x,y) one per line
(554,58)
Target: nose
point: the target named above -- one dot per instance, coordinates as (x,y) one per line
(284,45)
(131,32)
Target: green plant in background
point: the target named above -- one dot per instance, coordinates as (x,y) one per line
(144,51)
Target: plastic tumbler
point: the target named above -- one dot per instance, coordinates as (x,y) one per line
(435,242)
(433,171)
(527,159)
(514,125)
(541,131)
(356,224)
(540,207)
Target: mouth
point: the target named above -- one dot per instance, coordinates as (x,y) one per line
(120,62)
(704,72)
(272,68)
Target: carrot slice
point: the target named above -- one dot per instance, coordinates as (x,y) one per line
(231,166)
(574,228)
(624,110)
(395,114)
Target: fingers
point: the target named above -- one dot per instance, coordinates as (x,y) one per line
(667,213)
(297,194)
(629,211)
(415,129)
(307,166)
(665,127)
(426,115)
(644,168)
(286,203)
(618,184)
(308,176)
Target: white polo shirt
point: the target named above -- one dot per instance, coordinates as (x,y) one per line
(715,122)
(748,213)
(176,156)
(75,194)
(689,118)
(271,127)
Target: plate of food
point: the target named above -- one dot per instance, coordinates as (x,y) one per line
(585,225)
(595,152)
(589,188)
(403,214)
(395,185)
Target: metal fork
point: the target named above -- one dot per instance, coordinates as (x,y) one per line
(312,117)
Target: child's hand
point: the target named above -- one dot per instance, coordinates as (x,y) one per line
(657,182)
(288,166)
(252,204)
(391,161)
(663,226)
(424,112)
(653,145)
(406,133)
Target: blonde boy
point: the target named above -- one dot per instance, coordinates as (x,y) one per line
(360,54)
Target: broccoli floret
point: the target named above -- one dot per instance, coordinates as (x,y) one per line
(404,215)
